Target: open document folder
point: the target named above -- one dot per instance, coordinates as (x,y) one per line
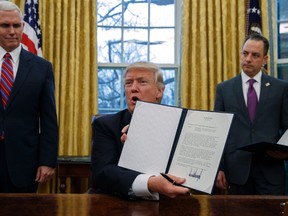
(281,145)
(182,142)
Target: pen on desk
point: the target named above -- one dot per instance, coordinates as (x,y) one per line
(170,180)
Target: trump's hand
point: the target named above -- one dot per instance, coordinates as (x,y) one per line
(124,133)
(161,185)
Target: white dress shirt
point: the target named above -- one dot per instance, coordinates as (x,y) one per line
(140,188)
(15,55)
(256,85)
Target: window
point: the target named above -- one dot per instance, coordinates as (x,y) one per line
(282,39)
(136,30)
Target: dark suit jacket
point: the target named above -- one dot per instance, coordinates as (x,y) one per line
(107,177)
(270,121)
(29,120)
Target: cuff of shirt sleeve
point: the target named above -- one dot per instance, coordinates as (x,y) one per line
(140,188)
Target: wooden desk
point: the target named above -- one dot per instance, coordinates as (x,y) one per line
(102,205)
(75,168)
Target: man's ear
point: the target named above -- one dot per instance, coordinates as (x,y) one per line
(265,60)
(160,93)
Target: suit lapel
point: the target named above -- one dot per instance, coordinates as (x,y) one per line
(240,97)
(126,118)
(239,91)
(264,92)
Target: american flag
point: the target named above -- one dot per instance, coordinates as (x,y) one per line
(253,17)
(32,36)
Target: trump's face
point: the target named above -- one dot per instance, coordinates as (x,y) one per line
(140,84)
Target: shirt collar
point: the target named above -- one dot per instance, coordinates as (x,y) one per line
(257,77)
(14,54)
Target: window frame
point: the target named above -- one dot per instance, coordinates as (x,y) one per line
(279,61)
(176,66)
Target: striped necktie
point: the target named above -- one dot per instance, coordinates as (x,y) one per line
(7,79)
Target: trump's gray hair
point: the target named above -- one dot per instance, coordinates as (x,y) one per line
(149,66)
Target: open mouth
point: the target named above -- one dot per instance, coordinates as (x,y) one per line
(134,98)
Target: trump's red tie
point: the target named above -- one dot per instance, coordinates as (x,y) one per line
(7,79)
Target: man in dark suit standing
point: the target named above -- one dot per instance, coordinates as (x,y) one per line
(142,81)
(28,122)
(258,172)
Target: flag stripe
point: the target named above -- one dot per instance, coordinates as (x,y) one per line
(32,37)
(29,43)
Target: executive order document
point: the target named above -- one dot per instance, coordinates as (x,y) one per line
(182,142)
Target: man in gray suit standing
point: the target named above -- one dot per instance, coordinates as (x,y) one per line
(261,114)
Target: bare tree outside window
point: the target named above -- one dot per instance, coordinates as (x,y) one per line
(129,31)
